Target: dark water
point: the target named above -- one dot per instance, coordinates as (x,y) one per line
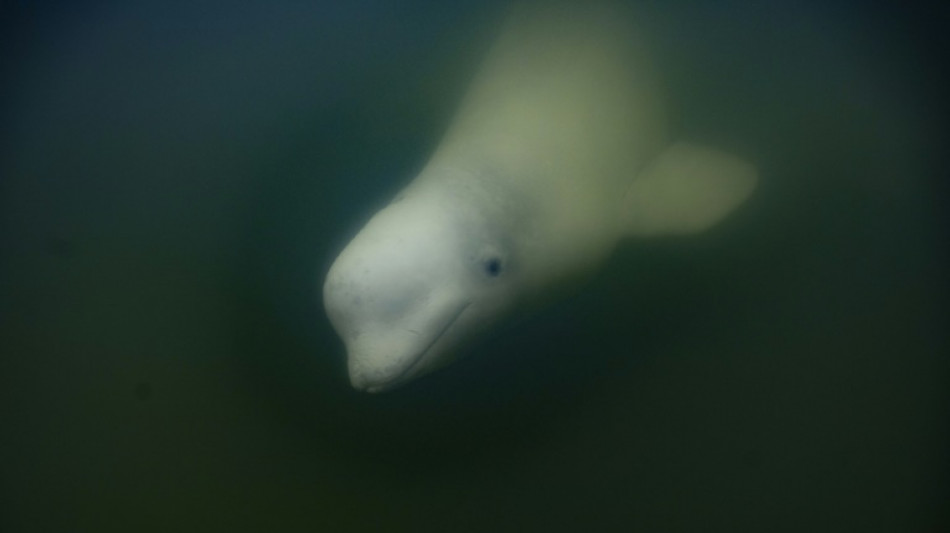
(177,177)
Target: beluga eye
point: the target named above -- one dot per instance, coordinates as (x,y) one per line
(493,266)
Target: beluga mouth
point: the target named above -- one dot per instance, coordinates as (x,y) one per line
(368,376)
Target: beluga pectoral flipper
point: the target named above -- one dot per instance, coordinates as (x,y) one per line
(559,151)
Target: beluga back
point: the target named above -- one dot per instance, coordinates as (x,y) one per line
(559,151)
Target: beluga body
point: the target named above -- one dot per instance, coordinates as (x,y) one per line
(559,152)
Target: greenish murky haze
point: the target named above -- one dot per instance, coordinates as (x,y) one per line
(177,178)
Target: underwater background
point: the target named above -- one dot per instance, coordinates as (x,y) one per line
(175,179)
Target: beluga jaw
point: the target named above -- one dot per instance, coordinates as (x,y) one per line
(367,374)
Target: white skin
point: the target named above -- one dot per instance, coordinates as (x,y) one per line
(556,155)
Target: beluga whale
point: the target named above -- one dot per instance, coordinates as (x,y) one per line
(560,151)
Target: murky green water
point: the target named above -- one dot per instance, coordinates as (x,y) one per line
(176,180)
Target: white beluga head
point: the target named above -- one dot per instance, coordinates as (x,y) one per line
(422,277)
(558,153)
